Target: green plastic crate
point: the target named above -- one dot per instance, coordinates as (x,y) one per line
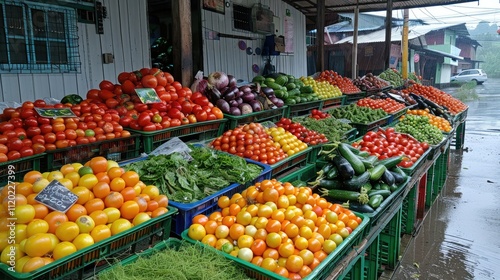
(364,128)
(354,97)
(273,115)
(436,177)
(113,149)
(409,210)
(322,271)
(298,160)
(93,258)
(334,102)
(301,109)
(14,170)
(171,243)
(151,140)
(390,242)
(304,174)
(349,136)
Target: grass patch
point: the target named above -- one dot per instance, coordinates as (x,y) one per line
(467,92)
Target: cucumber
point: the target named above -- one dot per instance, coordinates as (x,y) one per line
(400,171)
(361,208)
(363,154)
(391,162)
(354,150)
(326,168)
(377,171)
(375,201)
(388,178)
(369,162)
(299,183)
(384,193)
(343,166)
(355,161)
(343,195)
(393,188)
(356,182)
(398,179)
(327,184)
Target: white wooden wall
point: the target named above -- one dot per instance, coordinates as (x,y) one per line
(125,35)
(224,54)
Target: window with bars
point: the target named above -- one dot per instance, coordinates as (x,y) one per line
(36,38)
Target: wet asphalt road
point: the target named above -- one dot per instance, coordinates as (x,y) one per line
(460,235)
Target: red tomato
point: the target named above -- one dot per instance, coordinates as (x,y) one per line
(13,155)
(144,119)
(149,81)
(107,85)
(149,127)
(187,107)
(201,116)
(175,113)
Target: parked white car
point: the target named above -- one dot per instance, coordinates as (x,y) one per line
(469,75)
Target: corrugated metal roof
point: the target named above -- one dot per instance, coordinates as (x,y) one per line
(309,7)
(366,22)
(396,33)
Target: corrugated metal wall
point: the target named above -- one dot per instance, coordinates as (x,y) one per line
(125,36)
(225,55)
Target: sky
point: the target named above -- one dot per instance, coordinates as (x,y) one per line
(471,13)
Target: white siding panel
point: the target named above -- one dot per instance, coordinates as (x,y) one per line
(225,55)
(125,35)
(10,87)
(42,85)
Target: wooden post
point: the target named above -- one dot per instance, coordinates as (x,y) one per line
(320,33)
(404,45)
(355,45)
(388,37)
(182,45)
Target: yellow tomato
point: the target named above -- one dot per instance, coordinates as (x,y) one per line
(85,223)
(24,213)
(113,214)
(197,232)
(120,225)
(67,231)
(63,249)
(37,226)
(83,240)
(38,245)
(40,184)
(100,232)
(55,175)
(88,181)
(141,218)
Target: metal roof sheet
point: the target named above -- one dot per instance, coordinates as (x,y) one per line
(396,33)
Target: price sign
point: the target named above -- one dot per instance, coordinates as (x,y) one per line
(56,197)
(148,95)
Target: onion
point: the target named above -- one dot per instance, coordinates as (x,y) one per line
(223,105)
(235,111)
(233,103)
(245,89)
(245,108)
(239,100)
(256,105)
(238,94)
(218,79)
(247,97)
(199,85)
(232,80)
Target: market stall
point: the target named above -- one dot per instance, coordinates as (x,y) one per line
(263,174)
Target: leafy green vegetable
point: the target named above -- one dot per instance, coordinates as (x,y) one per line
(188,181)
(189,261)
(332,128)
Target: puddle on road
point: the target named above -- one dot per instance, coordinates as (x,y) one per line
(459,238)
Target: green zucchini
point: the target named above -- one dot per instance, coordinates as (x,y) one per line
(356,182)
(327,184)
(332,174)
(354,160)
(393,188)
(326,168)
(343,166)
(375,201)
(400,172)
(363,154)
(388,178)
(391,162)
(384,193)
(343,195)
(369,162)
(377,171)
(355,151)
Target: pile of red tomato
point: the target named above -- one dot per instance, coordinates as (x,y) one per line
(250,141)
(317,114)
(24,133)
(345,84)
(388,143)
(305,135)
(389,105)
(178,104)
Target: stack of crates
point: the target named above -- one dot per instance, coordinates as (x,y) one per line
(409,208)
(436,177)
(366,264)
(390,242)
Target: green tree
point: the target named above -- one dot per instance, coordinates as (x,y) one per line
(489,54)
